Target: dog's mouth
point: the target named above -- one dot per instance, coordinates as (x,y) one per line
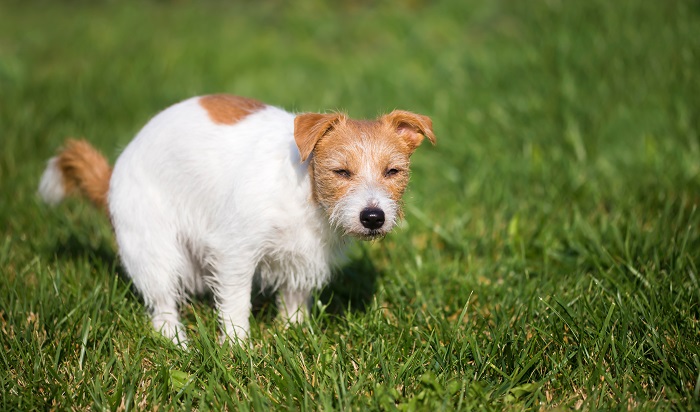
(369,222)
(371,234)
(367,234)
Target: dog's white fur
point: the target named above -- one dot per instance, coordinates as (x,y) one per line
(51,184)
(198,205)
(218,201)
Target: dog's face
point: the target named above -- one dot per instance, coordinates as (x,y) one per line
(360,169)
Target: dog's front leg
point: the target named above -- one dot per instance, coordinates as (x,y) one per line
(233,292)
(293,304)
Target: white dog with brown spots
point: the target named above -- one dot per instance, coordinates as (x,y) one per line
(217,189)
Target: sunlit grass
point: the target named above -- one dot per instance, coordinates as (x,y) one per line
(551,242)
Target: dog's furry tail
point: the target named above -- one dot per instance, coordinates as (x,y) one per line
(78,167)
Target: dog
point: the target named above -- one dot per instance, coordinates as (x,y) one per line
(218,189)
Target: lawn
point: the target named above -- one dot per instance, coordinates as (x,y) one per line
(548,257)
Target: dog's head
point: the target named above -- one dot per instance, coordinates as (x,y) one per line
(360,168)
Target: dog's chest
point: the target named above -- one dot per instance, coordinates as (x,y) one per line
(300,254)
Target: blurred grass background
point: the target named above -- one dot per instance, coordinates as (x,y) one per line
(550,249)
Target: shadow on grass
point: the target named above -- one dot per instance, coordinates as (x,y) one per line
(74,247)
(350,290)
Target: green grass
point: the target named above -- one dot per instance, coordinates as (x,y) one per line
(548,259)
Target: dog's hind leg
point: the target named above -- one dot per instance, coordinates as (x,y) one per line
(156,265)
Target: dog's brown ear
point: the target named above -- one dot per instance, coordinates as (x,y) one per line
(411,126)
(310,127)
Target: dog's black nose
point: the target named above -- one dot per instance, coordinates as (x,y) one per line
(372,217)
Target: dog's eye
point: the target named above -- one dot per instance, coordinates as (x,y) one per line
(391,172)
(343,173)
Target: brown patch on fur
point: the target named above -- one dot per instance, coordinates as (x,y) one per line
(86,170)
(227,109)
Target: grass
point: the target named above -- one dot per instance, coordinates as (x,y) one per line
(548,259)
